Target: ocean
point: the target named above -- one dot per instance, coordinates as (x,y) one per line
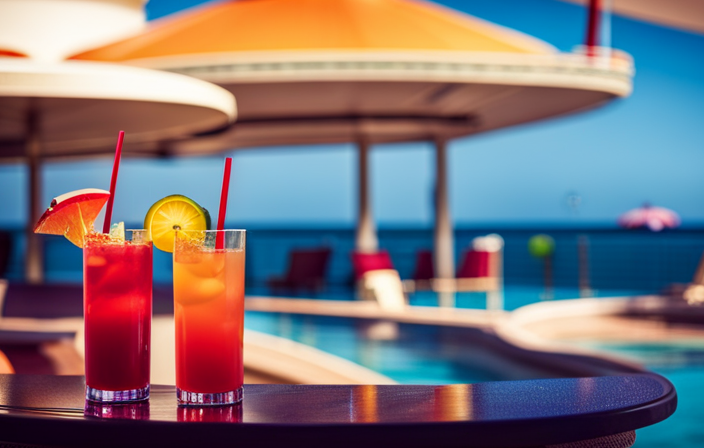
(617,259)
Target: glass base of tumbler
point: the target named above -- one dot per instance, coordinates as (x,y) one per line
(186,398)
(117,396)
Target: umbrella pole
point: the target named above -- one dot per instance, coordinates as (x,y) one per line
(583,261)
(34,263)
(366,240)
(549,292)
(444,234)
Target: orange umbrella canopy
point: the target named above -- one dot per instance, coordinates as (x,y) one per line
(371,71)
(4,52)
(275,25)
(325,71)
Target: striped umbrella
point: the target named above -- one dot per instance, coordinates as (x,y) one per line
(654,218)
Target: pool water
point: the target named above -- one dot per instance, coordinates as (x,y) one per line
(420,354)
(406,353)
(683,365)
(517,296)
(513,296)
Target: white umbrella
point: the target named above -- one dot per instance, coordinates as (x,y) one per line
(75,109)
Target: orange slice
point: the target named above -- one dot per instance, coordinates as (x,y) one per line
(72,214)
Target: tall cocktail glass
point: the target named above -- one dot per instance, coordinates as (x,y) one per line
(117,305)
(209,315)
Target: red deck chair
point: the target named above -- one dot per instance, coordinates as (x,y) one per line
(364,262)
(424,271)
(307,269)
(377,279)
(475,264)
(480,271)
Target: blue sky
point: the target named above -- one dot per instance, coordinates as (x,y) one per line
(648,147)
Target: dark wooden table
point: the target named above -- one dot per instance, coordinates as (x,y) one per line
(50,410)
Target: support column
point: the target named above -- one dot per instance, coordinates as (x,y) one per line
(444,238)
(366,240)
(444,252)
(34,261)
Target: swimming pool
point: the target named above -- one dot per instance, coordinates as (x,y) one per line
(514,296)
(426,354)
(418,355)
(410,353)
(518,296)
(682,364)
(414,354)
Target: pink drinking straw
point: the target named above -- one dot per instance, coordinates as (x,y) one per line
(219,239)
(113,181)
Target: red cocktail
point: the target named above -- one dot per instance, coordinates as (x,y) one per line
(117,303)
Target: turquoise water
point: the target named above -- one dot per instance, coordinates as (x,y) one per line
(518,296)
(683,365)
(419,354)
(514,296)
(414,354)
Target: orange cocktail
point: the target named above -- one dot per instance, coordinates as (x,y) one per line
(209,315)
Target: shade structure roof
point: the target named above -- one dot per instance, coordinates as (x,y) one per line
(321,71)
(681,14)
(78,107)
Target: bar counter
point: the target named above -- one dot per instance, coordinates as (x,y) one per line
(605,411)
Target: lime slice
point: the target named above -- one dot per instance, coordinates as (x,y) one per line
(207,219)
(175,212)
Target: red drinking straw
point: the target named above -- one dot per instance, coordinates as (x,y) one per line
(113,181)
(219,239)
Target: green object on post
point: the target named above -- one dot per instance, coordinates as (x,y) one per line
(541,245)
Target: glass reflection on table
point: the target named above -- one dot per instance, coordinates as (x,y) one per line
(222,414)
(128,411)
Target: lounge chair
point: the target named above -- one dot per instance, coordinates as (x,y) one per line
(40,352)
(480,270)
(38,325)
(363,262)
(424,271)
(378,280)
(42,301)
(384,286)
(306,270)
